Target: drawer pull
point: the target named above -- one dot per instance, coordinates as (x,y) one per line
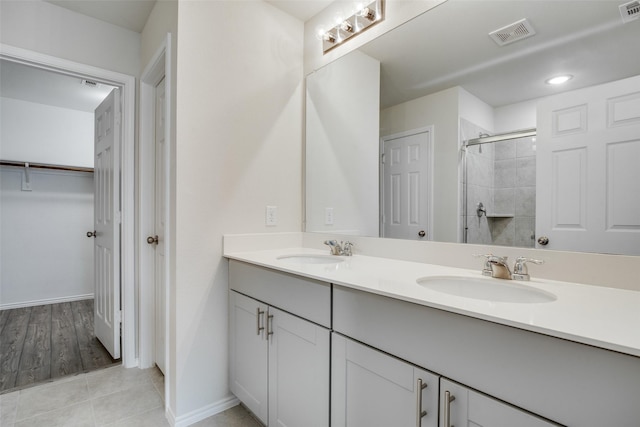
(420,413)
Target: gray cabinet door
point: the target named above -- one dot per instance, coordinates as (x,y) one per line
(371,388)
(470,408)
(248,353)
(298,371)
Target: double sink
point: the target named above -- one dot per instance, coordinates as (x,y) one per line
(479,288)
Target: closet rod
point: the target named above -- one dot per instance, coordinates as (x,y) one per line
(45,166)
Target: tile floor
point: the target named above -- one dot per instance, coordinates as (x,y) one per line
(109,397)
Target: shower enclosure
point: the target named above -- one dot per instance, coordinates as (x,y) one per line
(498,187)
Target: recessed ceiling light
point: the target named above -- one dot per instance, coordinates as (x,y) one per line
(558,80)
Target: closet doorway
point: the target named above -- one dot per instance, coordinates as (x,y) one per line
(48,219)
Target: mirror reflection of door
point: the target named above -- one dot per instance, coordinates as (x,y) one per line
(406,185)
(589,180)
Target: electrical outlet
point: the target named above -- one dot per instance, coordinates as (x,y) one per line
(271,217)
(328,216)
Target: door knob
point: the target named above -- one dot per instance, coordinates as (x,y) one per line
(92,234)
(543,240)
(421,233)
(152,240)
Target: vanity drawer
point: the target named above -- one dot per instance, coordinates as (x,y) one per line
(307,298)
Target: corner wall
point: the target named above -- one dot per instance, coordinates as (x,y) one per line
(238,149)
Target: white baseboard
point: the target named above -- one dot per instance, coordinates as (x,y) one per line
(202,413)
(171,417)
(45,301)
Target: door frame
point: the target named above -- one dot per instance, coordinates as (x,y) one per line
(430,150)
(127,85)
(159,67)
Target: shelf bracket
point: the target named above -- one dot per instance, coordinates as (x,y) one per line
(26,178)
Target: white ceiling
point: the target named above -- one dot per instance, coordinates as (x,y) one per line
(301,9)
(449,46)
(33,84)
(133,14)
(129,14)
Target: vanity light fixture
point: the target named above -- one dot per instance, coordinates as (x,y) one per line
(355,24)
(558,80)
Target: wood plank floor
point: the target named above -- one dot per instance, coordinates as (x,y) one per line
(48,341)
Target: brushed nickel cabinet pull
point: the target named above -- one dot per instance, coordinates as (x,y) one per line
(419,412)
(448,398)
(269,325)
(259,314)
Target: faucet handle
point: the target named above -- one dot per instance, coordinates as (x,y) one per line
(520,270)
(346,248)
(486,270)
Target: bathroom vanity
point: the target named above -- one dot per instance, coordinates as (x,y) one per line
(361,341)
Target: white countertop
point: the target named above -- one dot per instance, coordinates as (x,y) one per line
(603,317)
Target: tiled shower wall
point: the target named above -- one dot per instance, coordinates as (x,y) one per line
(514,193)
(501,176)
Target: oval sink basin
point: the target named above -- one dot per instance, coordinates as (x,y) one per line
(311,259)
(487,289)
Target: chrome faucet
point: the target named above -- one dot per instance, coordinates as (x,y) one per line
(496,266)
(499,267)
(342,248)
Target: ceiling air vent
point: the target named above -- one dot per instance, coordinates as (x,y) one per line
(630,11)
(512,33)
(89,83)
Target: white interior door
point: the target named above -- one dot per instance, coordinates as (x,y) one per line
(588,179)
(160,218)
(406,186)
(107,315)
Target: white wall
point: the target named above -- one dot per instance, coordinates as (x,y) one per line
(475,110)
(439,110)
(238,149)
(43,27)
(45,253)
(41,133)
(342,144)
(46,256)
(521,115)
